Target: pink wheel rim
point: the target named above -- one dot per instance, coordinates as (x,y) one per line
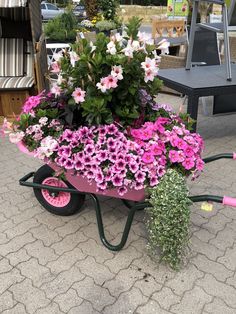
(60,200)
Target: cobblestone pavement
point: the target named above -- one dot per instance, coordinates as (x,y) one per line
(53,265)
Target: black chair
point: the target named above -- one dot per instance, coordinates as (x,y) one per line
(215,27)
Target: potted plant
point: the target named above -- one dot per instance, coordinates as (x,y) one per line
(100,122)
(62,28)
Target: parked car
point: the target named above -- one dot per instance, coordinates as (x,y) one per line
(49,11)
(80,12)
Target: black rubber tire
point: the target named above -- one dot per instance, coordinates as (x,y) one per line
(76,201)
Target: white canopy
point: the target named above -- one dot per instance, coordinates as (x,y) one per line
(12,3)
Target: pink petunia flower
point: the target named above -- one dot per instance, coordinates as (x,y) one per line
(148,158)
(188,163)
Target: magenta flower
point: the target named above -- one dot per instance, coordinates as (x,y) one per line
(148,158)
(199,164)
(174,156)
(156,149)
(188,163)
(32,102)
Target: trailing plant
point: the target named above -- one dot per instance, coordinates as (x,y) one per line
(168,218)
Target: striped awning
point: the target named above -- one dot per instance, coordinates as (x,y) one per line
(12,3)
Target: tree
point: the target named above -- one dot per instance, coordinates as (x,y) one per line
(91,8)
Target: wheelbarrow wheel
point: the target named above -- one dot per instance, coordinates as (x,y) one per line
(58,203)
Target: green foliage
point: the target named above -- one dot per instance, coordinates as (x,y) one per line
(122,103)
(108,8)
(168,218)
(62,28)
(133,26)
(105,25)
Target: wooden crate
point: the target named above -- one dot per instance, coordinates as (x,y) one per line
(11,102)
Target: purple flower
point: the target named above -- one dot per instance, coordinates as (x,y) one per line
(117,180)
(122,190)
(78,164)
(140,176)
(89,149)
(120,164)
(69,164)
(68,135)
(133,167)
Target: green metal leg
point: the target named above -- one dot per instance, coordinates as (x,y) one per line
(218,156)
(129,221)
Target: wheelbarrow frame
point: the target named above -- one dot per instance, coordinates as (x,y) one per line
(132,207)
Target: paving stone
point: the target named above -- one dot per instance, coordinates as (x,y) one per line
(68,300)
(224,239)
(15,244)
(6,301)
(184,280)
(127,302)
(124,280)
(216,223)
(5,225)
(32,297)
(165,298)
(42,253)
(66,261)
(62,282)
(3,238)
(9,278)
(37,273)
(46,235)
(218,289)
(26,214)
(122,259)
(52,308)
(51,221)
(148,285)
(232,281)
(21,228)
(98,251)
(218,307)
(229,258)
(98,296)
(69,242)
(206,249)
(9,211)
(100,273)
(91,231)
(204,235)
(18,309)
(18,257)
(197,219)
(151,307)
(71,226)
(84,308)
(218,270)
(151,267)
(192,302)
(5,266)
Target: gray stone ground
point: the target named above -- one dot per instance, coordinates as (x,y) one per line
(54,265)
